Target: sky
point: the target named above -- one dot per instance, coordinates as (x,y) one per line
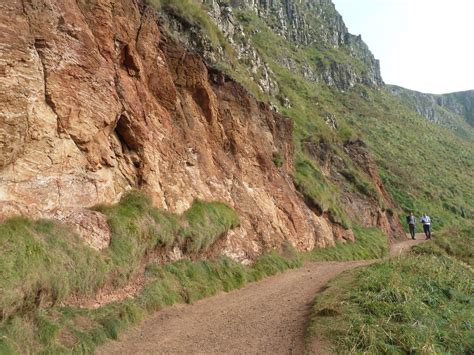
(423,45)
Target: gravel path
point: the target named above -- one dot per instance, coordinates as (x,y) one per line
(268,317)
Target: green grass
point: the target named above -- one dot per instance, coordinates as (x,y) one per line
(455,241)
(138,228)
(421,303)
(31,249)
(33,317)
(204,223)
(370,243)
(65,329)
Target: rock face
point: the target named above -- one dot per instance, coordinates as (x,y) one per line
(95,100)
(308,24)
(443,109)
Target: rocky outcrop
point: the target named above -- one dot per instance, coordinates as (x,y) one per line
(444,109)
(366,208)
(461,103)
(308,24)
(313,25)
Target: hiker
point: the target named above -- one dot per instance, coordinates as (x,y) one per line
(411,220)
(426,220)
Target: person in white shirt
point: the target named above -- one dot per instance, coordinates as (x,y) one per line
(426,221)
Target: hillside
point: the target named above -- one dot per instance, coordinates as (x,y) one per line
(162,151)
(454,111)
(329,83)
(108,99)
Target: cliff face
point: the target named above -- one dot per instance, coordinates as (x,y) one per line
(445,109)
(316,23)
(314,27)
(95,100)
(462,103)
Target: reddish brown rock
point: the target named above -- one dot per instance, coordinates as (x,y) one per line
(92,226)
(94,100)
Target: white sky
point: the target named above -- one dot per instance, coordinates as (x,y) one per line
(424,45)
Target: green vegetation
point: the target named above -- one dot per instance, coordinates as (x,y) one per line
(277,160)
(319,194)
(370,243)
(34,317)
(425,167)
(60,329)
(138,228)
(205,222)
(457,242)
(416,304)
(30,250)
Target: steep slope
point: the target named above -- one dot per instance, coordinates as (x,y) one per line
(99,101)
(424,166)
(450,110)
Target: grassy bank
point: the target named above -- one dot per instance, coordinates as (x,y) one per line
(34,318)
(61,329)
(42,263)
(370,243)
(421,303)
(30,250)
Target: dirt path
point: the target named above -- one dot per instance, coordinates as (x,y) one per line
(265,317)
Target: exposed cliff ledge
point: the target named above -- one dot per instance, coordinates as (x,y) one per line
(445,109)
(96,100)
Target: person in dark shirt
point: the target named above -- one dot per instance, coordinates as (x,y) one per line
(411,220)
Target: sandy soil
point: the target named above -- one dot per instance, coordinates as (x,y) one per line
(266,317)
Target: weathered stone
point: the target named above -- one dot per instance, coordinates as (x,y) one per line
(90,225)
(97,101)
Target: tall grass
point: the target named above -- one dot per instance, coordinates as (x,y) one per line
(42,263)
(456,241)
(69,329)
(417,304)
(30,251)
(370,243)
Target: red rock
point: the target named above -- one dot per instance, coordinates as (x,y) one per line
(96,100)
